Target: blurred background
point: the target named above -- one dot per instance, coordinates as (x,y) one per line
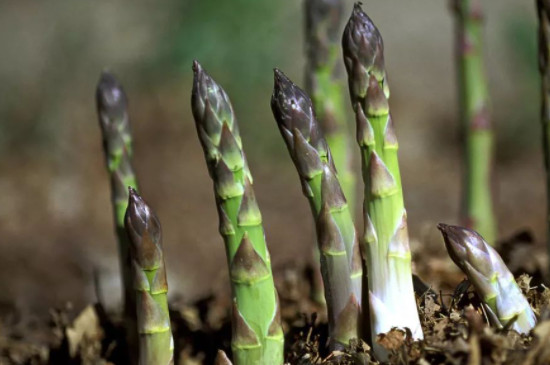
(56,225)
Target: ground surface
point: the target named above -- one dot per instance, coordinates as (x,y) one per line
(454,324)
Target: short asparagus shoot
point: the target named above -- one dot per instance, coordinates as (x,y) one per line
(386,240)
(494,283)
(156,345)
(257,332)
(341,265)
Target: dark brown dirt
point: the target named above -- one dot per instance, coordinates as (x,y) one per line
(455,327)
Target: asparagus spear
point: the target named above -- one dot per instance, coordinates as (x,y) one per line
(385,241)
(477,202)
(156,346)
(341,265)
(257,333)
(493,282)
(117,144)
(325,84)
(543,11)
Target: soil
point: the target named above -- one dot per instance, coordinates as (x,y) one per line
(455,326)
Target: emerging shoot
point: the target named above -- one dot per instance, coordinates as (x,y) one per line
(156,346)
(493,282)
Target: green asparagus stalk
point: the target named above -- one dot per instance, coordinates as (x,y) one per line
(543,11)
(156,346)
(341,265)
(493,282)
(325,84)
(257,332)
(385,241)
(117,144)
(477,209)
(222,359)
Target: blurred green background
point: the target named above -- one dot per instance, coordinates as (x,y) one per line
(55,213)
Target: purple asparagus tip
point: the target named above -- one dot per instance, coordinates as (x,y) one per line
(110,95)
(463,244)
(138,212)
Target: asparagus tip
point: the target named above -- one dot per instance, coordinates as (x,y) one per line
(288,100)
(455,234)
(459,241)
(138,211)
(452,235)
(197,68)
(205,91)
(134,197)
(280,79)
(363,49)
(110,95)
(359,15)
(361,29)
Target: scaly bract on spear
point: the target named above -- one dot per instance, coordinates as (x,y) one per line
(156,345)
(117,143)
(257,332)
(341,265)
(477,202)
(493,282)
(385,242)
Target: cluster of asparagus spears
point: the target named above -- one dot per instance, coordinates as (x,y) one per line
(366,277)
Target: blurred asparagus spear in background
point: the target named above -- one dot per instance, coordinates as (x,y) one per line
(257,333)
(386,241)
(156,345)
(341,265)
(117,144)
(326,86)
(543,11)
(492,280)
(477,203)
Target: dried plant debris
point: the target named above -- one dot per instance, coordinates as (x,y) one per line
(456,332)
(455,326)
